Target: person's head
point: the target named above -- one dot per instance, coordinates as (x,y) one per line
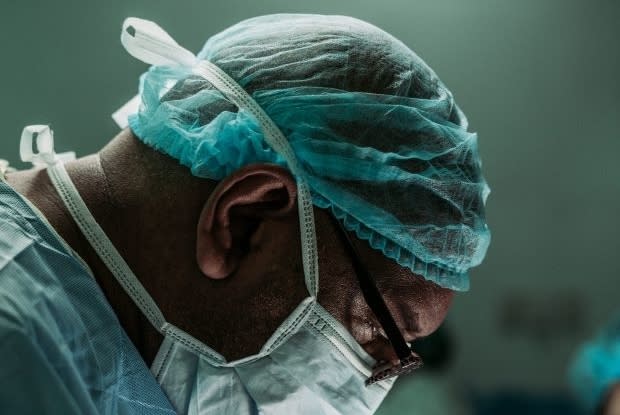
(382,146)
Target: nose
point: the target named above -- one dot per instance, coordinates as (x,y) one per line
(423,312)
(416,320)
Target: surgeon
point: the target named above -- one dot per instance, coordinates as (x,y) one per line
(595,372)
(285,213)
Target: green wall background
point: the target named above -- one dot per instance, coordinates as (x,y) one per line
(537,79)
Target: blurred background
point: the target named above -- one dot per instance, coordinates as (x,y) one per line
(539,83)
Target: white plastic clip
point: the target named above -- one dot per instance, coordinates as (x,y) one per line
(44,139)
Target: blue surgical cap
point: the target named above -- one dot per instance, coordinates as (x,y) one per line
(380,140)
(597,366)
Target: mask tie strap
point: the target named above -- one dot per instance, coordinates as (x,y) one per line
(42,135)
(148,42)
(103,246)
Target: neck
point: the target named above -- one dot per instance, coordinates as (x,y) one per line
(148,205)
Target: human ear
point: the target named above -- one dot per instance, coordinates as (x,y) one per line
(235,209)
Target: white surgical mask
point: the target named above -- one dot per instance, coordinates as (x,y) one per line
(310,365)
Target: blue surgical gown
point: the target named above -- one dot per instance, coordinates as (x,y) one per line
(62,349)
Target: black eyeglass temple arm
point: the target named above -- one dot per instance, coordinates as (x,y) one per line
(375,300)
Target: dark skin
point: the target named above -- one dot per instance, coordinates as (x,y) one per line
(223,260)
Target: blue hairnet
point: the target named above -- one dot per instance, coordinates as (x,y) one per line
(379,137)
(597,366)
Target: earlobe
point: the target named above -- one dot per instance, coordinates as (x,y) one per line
(235,209)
